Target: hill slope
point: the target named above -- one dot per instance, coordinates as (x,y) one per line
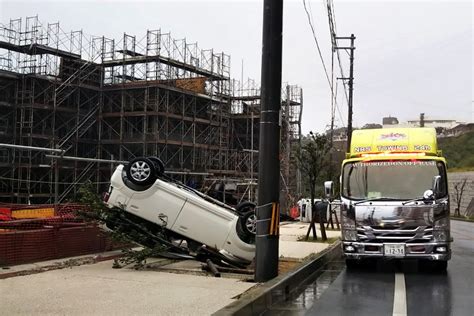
(459,151)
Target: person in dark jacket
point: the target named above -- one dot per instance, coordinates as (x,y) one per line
(320,208)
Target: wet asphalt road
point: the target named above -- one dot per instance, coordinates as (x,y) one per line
(390,287)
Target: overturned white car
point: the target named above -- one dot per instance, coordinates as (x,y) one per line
(148,197)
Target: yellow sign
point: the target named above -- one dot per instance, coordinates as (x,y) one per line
(393,140)
(33,213)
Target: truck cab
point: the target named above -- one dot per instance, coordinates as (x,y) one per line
(394,197)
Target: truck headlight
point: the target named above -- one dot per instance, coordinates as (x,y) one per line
(442,223)
(441,230)
(347,216)
(440,235)
(349,232)
(349,235)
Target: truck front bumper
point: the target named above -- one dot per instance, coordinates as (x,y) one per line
(429,251)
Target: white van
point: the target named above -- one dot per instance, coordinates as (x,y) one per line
(143,190)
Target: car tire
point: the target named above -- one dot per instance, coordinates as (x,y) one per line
(244,235)
(159,165)
(141,171)
(244,207)
(248,221)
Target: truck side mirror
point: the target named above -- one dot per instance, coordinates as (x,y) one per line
(437,186)
(328,189)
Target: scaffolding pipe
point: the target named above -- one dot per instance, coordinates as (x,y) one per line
(21,147)
(85,159)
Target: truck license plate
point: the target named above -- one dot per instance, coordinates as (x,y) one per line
(394,250)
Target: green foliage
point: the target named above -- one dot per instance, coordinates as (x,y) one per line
(371,126)
(316,163)
(99,212)
(463,218)
(330,240)
(459,151)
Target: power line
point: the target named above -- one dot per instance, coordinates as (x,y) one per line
(333,31)
(316,41)
(309,16)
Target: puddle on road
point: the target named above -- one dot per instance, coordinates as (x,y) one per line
(308,292)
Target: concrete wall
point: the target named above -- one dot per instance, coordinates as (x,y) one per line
(467,205)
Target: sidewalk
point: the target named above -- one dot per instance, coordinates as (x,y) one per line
(98,289)
(291,248)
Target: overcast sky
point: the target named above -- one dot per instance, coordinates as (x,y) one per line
(410,57)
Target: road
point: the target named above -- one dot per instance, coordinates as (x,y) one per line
(391,288)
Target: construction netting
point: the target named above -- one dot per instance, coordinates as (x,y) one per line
(31,233)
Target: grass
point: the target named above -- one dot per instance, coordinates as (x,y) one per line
(333,229)
(330,240)
(462,169)
(458,151)
(463,218)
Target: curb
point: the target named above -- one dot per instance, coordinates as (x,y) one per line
(62,263)
(257,301)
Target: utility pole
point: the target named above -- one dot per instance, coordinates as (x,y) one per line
(268,212)
(351,87)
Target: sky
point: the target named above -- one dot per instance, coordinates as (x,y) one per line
(411,57)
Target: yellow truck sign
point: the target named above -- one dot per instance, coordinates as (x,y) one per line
(394,140)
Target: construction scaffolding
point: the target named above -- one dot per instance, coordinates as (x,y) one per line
(98,98)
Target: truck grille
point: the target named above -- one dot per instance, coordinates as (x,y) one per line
(379,234)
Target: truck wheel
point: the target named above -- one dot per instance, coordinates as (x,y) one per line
(141,171)
(248,221)
(433,266)
(352,264)
(159,166)
(440,266)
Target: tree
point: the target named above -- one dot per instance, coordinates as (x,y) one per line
(313,159)
(371,126)
(440,130)
(97,212)
(458,192)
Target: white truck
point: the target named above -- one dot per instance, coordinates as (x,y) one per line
(395,201)
(146,196)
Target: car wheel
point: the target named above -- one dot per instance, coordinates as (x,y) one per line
(244,235)
(141,171)
(248,218)
(249,221)
(159,166)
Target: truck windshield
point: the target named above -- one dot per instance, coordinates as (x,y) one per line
(397,180)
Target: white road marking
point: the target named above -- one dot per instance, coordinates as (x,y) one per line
(400,296)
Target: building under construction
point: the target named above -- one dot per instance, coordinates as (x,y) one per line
(107,100)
